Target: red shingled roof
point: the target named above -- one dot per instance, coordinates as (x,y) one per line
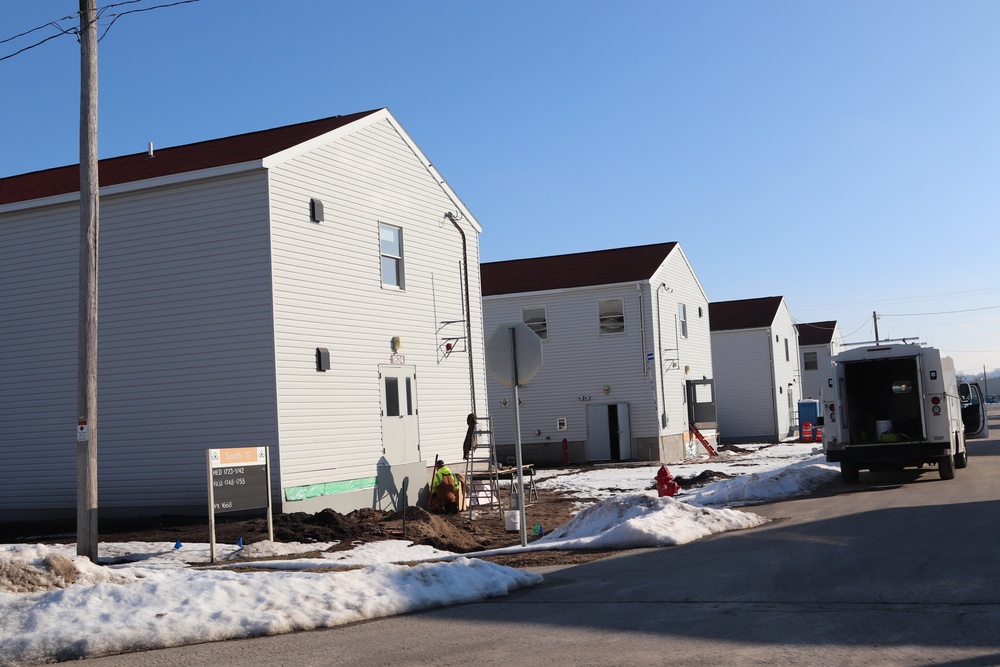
(743,314)
(168,161)
(582,269)
(816,333)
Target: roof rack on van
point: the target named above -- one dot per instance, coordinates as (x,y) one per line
(905,341)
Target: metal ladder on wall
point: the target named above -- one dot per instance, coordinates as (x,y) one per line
(481,470)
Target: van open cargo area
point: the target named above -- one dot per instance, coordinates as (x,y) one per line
(883,401)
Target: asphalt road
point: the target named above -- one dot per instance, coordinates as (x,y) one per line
(901,569)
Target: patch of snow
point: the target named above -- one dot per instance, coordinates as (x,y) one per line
(55,605)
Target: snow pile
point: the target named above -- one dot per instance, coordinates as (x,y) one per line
(267,548)
(33,568)
(56,606)
(792,480)
(170,607)
(641,521)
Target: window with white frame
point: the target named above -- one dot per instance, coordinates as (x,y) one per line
(534,317)
(611,316)
(787,357)
(390,243)
(809,361)
(682,317)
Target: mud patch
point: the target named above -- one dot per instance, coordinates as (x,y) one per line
(702,478)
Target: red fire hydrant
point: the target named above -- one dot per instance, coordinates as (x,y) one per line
(565,445)
(665,484)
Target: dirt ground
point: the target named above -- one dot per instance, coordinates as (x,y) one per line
(455,532)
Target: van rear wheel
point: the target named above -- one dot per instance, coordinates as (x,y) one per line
(946,467)
(849,472)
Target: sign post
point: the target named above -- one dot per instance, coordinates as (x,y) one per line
(513,356)
(238,479)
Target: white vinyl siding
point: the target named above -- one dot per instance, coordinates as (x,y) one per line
(184,358)
(577,363)
(755,384)
(38,357)
(815,382)
(744,389)
(328,293)
(215,295)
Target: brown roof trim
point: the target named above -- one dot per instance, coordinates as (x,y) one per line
(816,333)
(581,269)
(168,161)
(743,314)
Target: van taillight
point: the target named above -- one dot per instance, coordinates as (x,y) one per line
(935,400)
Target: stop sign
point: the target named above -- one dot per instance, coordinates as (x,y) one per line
(527,353)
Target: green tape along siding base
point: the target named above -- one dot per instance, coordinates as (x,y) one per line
(328,488)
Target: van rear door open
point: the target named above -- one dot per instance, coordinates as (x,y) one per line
(973,411)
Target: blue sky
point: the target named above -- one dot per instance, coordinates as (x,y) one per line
(841,154)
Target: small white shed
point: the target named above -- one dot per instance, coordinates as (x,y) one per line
(756,357)
(313,288)
(627,362)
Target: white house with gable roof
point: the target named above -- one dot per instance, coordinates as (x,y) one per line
(757,379)
(312,288)
(627,360)
(819,342)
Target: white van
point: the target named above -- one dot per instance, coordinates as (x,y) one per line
(897,406)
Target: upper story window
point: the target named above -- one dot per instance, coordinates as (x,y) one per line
(787,358)
(534,317)
(809,361)
(390,241)
(682,318)
(611,316)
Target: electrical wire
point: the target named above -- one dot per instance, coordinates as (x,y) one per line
(813,326)
(28,32)
(136,11)
(943,312)
(863,325)
(28,48)
(76,30)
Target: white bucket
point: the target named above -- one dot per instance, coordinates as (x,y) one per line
(882,426)
(512,520)
(515,500)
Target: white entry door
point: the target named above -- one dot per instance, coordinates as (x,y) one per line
(400,432)
(609,435)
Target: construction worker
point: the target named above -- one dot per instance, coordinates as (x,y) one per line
(445,490)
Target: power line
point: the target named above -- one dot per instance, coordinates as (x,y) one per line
(136,11)
(36,44)
(863,325)
(28,32)
(76,30)
(943,312)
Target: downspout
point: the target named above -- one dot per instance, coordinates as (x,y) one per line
(659,354)
(468,309)
(774,382)
(642,328)
(677,342)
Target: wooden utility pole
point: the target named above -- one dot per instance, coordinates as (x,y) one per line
(86,373)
